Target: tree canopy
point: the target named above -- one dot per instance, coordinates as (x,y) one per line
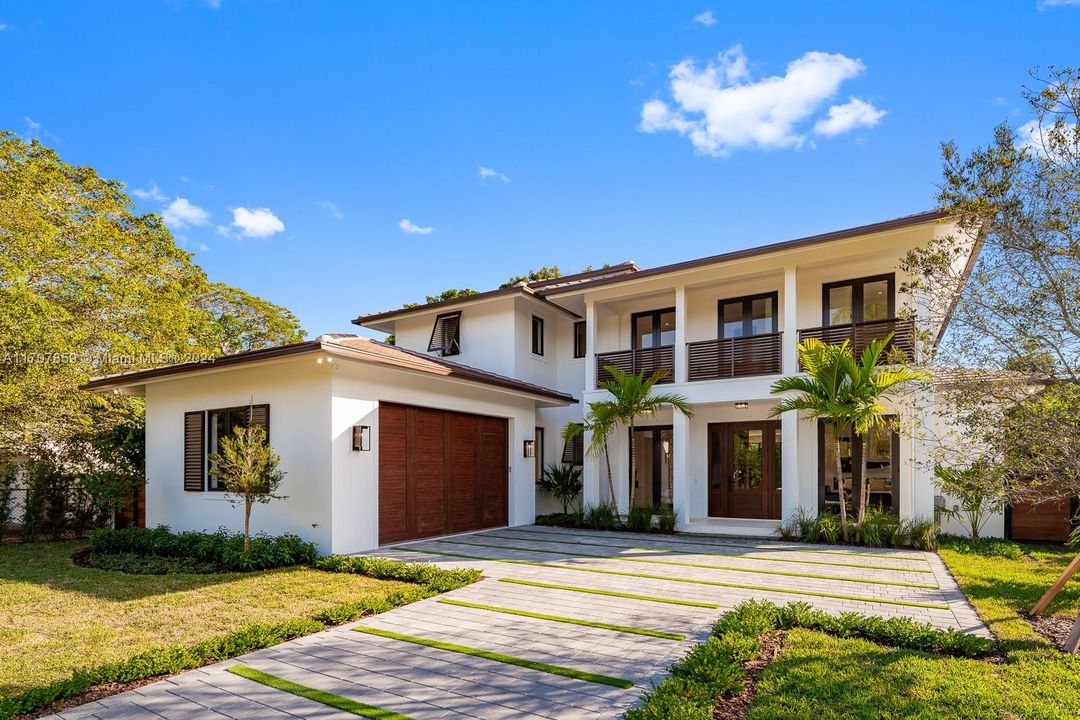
(1016,324)
(89,287)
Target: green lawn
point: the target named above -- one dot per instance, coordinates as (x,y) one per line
(820,677)
(1003,578)
(56,618)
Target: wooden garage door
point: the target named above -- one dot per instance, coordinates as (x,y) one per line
(439,472)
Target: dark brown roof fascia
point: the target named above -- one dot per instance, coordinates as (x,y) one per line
(623,268)
(897,223)
(130,378)
(498,292)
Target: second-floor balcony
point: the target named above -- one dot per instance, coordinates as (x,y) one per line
(735,357)
(648,360)
(861,334)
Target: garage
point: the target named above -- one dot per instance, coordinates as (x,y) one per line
(440,472)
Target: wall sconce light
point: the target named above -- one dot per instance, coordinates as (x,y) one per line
(741,405)
(530,448)
(361,437)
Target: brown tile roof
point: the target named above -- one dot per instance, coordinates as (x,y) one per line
(345,345)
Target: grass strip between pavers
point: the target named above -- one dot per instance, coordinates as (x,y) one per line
(335,701)
(719,543)
(704,566)
(499,657)
(569,620)
(729,556)
(713,583)
(611,593)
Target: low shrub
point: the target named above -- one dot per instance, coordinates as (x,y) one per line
(160,550)
(880,528)
(986,547)
(433,578)
(666,519)
(639,519)
(715,667)
(604,516)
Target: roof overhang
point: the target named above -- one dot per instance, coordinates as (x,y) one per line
(354,349)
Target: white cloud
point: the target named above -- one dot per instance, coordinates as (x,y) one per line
(153,193)
(3,27)
(706,18)
(413,229)
(202,247)
(213,4)
(487,173)
(181,213)
(721,108)
(260,222)
(1043,4)
(331,208)
(844,118)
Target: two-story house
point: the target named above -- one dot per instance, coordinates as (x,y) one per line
(447,430)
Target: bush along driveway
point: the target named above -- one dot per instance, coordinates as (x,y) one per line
(566,624)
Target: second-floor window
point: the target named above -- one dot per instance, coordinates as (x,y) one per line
(446,335)
(654,328)
(751,315)
(579,339)
(537,335)
(860,300)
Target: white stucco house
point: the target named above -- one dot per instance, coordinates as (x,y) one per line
(446,430)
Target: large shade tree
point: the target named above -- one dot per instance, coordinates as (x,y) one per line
(88,286)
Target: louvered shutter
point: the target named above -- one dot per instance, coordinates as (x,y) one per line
(194,451)
(445,336)
(574,451)
(260,415)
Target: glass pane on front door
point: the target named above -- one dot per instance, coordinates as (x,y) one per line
(747,455)
(654,460)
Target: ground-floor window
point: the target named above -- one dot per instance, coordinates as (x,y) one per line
(882,466)
(652,482)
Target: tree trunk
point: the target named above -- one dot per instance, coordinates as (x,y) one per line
(1073,641)
(610,477)
(840,485)
(247,525)
(864,486)
(633,480)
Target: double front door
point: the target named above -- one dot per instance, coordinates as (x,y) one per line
(744,470)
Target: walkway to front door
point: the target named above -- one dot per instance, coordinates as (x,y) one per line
(645,600)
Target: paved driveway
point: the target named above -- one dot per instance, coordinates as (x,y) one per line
(645,590)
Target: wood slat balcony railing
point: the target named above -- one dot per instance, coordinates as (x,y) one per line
(634,361)
(735,357)
(862,334)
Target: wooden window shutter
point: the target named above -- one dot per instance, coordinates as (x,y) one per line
(574,451)
(194,451)
(260,415)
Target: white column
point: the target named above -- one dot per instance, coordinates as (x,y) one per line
(681,466)
(790,496)
(681,373)
(791,321)
(590,477)
(789,464)
(590,344)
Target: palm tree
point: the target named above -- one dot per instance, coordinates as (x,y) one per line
(632,397)
(599,421)
(871,381)
(825,392)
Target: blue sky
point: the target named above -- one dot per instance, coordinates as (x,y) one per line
(301,149)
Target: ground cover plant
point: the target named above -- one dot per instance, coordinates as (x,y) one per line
(67,628)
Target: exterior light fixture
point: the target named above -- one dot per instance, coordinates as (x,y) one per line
(530,448)
(741,405)
(361,437)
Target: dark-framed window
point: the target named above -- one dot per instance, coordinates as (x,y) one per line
(446,335)
(579,339)
(882,466)
(537,335)
(860,300)
(574,450)
(748,315)
(203,432)
(653,328)
(538,447)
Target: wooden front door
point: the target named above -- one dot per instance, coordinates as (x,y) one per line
(440,472)
(744,469)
